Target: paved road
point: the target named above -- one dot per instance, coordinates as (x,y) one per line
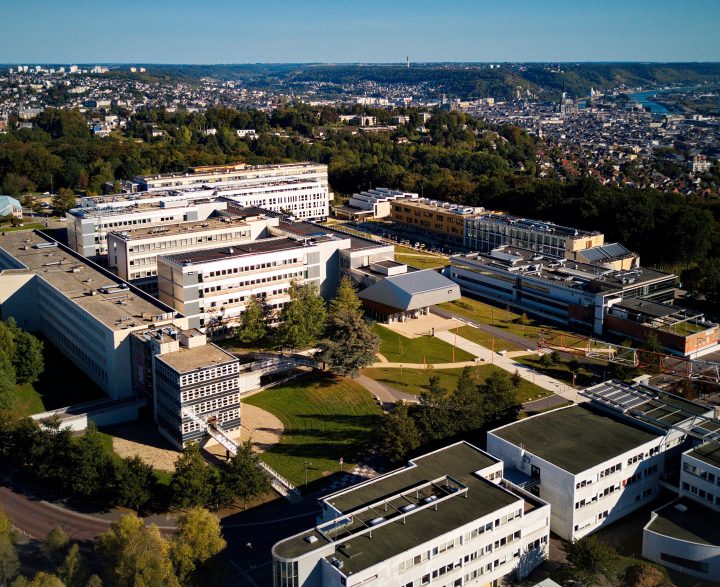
(386,395)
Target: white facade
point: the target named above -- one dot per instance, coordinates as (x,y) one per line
(456,523)
(133,253)
(82,309)
(378,200)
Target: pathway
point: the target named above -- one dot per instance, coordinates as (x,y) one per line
(387,396)
(508,364)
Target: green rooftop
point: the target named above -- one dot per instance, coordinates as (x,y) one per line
(707,453)
(693,522)
(575,438)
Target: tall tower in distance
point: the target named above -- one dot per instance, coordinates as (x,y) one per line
(407,61)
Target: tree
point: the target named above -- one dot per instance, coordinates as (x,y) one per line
(590,558)
(642,575)
(94,581)
(6,529)
(466,405)
(253,326)
(193,482)
(349,343)
(136,555)
(499,398)
(43,579)
(242,477)
(397,434)
(28,357)
(7,382)
(198,538)
(73,570)
(9,562)
(63,201)
(516,379)
(135,482)
(55,544)
(433,417)
(303,318)
(91,466)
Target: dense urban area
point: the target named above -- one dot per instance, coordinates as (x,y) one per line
(323,326)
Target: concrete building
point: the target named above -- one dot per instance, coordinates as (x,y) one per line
(596,462)
(133,253)
(448,518)
(185,376)
(684,535)
(373,203)
(84,310)
(87,227)
(299,189)
(211,287)
(557,289)
(10,207)
(441,220)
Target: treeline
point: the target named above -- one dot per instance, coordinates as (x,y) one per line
(83,469)
(21,360)
(458,159)
(129,554)
(443,414)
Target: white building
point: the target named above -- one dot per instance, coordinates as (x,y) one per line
(448,518)
(84,310)
(594,462)
(212,287)
(133,253)
(377,202)
(87,227)
(684,535)
(300,189)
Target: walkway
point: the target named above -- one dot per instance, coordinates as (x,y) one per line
(387,396)
(507,363)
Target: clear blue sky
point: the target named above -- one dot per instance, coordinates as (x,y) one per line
(248,31)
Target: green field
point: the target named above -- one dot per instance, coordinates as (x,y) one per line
(484,339)
(414,380)
(505,319)
(325,419)
(559,371)
(27,226)
(424,349)
(61,384)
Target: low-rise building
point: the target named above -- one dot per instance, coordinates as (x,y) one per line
(598,461)
(448,518)
(10,207)
(373,203)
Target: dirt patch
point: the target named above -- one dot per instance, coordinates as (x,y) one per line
(260,426)
(143,440)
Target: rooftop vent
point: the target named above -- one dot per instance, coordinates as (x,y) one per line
(311,539)
(681,507)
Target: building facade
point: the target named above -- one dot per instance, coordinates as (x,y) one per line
(448,518)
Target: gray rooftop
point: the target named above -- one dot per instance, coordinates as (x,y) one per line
(200,357)
(708,453)
(270,245)
(405,291)
(575,438)
(690,521)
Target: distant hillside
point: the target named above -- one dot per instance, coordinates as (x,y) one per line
(453,79)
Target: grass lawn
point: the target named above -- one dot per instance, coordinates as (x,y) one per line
(502,318)
(486,340)
(559,371)
(424,349)
(414,380)
(26,226)
(422,261)
(325,418)
(61,384)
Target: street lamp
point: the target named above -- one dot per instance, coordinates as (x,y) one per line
(307,464)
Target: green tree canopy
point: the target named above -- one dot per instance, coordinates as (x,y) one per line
(242,477)
(253,326)
(397,434)
(198,538)
(590,558)
(302,318)
(193,483)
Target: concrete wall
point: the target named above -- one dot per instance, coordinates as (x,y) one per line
(655,545)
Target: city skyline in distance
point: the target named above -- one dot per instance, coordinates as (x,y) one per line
(222,31)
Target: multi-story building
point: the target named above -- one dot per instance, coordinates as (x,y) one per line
(447,519)
(373,203)
(188,379)
(133,253)
(87,227)
(298,189)
(596,462)
(684,534)
(558,289)
(84,310)
(441,220)
(211,287)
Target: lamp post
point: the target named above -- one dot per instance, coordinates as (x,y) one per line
(307,464)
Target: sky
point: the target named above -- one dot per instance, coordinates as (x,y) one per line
(366,31)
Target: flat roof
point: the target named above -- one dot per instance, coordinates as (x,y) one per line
(685,519)
(199,357)
(311,230)
(270,245)
(575,438)
(647,307)
(119,307)
(200,226)
(199,172)
(460,498)
(708,453)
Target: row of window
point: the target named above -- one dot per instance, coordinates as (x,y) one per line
(701,473)
(701,493)
(188,241)
(247,268)
(250,282)
(206,390)
(208,374)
